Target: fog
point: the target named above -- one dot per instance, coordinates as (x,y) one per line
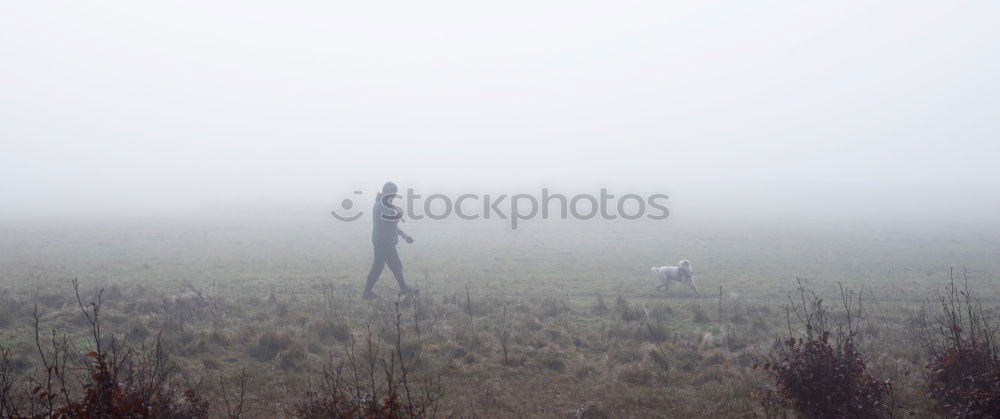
(833,109)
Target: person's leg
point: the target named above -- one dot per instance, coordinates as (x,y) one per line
(396,266)
(378,262)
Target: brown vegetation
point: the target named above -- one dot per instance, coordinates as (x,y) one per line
(474,355)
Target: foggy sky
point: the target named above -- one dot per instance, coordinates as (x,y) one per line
(124,107)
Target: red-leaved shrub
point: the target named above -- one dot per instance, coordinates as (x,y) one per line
(111,381)
(106,397)
(965,380)
(819,379)
(963,376)
(820,376)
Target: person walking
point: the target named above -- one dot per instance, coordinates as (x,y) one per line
(385,236)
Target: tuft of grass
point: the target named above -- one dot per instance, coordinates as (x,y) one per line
(656,332)
(599,308)
(636,375)
(136,331)
(659,359)
(552,362)
(6,317)
(291,358)
(218,338)
(553,307)
(329,330)
(210,364)
(584,371)
(268,344)
(699,315)
(626,355)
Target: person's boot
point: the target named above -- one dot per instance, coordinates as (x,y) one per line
(369,295)
(406,290)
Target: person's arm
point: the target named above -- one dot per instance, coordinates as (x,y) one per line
(391,214)
(396,211)
(405,236)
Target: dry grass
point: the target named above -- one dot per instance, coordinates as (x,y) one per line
(637,358)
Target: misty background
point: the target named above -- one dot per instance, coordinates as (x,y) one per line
(820,110)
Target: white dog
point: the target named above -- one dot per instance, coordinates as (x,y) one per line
(681,273)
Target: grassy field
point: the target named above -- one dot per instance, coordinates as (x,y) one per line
(586,330)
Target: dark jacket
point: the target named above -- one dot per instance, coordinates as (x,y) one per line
(385,227)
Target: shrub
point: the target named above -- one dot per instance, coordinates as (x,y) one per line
(823,380)
(964,372)
(106,395)
(965,380)
(355,388)
(116,381)
(820,378)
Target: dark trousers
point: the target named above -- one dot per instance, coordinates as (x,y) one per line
(385,254)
